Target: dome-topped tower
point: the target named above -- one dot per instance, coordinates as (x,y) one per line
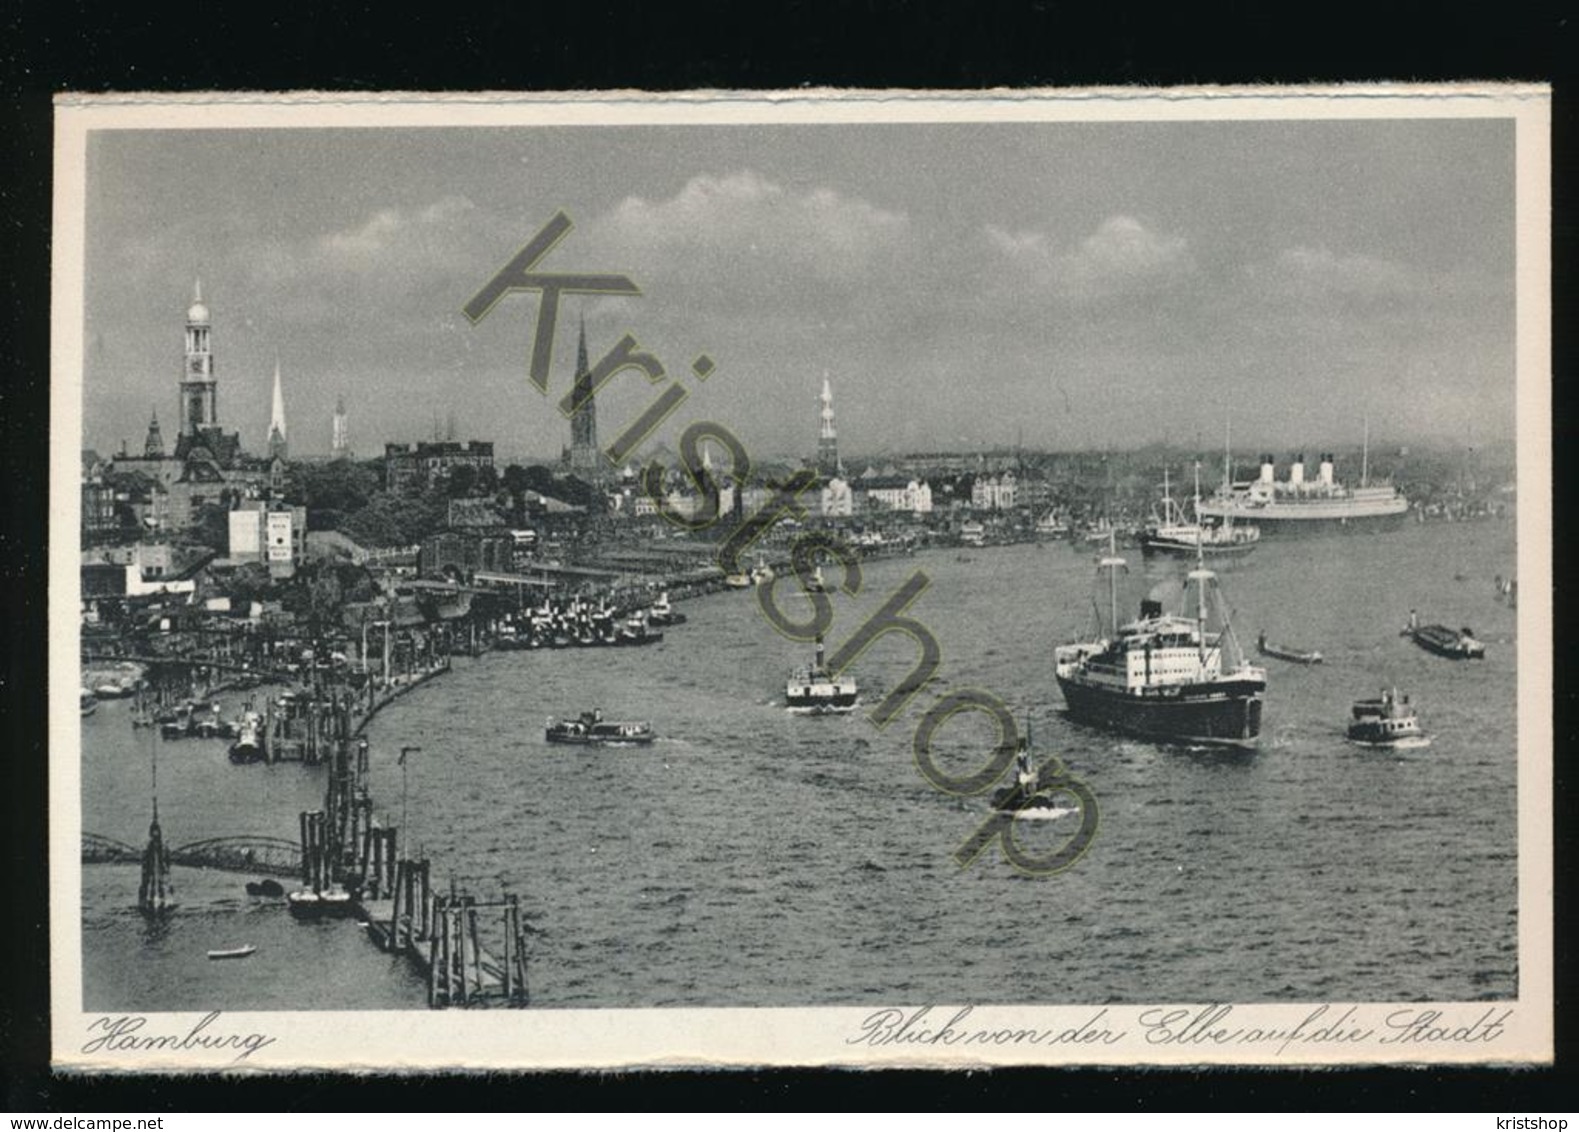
(199,397)
(197,313)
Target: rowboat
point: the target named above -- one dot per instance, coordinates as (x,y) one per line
(232,952)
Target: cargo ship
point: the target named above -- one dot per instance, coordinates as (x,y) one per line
(1165,676)
(1172,532)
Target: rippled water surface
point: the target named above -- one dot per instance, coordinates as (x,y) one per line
(752,857)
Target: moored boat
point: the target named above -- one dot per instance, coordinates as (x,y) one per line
(663,613)
(1388,721)
(1300,505)
(307,904)
(1165,676)
(1172,532)
(248,747)
(1282,652)
(1455,644)
(814,690)
(592,730)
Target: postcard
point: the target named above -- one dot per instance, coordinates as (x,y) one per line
(810,578)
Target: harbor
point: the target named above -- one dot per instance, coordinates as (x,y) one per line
(736,858)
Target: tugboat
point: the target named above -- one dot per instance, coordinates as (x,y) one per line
(1173,534)
(637,630)
(662,613)
(1455,644)
(816,691)
(761,572)
(592,730)
(1389,721)
(1164,676)
(1028,799)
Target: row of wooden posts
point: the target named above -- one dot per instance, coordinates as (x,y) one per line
(344,845)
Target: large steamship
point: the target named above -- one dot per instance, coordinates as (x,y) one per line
(1298,504)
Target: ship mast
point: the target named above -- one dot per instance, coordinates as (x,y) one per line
(1228,455)
(1365,454)
(1200,573)
(1111,564)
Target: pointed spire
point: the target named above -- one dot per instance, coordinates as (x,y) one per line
(581,350)
(197,289)
(277,414)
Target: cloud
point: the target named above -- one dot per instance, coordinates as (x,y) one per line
(1122,256)
(1308,271)
(387,228)
(744,214)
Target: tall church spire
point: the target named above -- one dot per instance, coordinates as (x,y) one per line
(827,436)
(584,455)
(277,444)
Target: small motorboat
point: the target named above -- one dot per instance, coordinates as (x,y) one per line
(737,581)
(309,905)
(1388,721)
(265,887)
(232,952)
(1282,652)
(592,730)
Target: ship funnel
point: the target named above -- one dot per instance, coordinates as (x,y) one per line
(1267,468)
(1326,469)
(1296,471)
(1149,608)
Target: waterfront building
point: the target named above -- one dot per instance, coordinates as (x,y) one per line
(268,534)
(837,501)
(427,464)
(994,493)
(898,493)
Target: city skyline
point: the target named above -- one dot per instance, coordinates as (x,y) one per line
(1095,285)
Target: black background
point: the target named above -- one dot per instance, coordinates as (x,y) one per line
(71,46)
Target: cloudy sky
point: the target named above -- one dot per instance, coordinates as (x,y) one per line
(962,285)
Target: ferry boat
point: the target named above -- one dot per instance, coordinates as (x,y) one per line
(1174,533)
(1389,721)
(1297,504)
(816,691)
(1455,644)
(1164,676)
(592,730)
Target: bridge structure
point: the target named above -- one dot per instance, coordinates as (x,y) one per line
(270,856)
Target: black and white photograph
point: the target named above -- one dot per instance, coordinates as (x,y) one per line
(834,579)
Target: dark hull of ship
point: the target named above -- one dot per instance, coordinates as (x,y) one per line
(1154,544)
(599,738)
(1227,713)
(1285,525)
(1444,642)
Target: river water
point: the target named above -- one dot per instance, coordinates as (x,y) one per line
(755,858)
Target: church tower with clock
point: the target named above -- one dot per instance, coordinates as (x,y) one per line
(199,396)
